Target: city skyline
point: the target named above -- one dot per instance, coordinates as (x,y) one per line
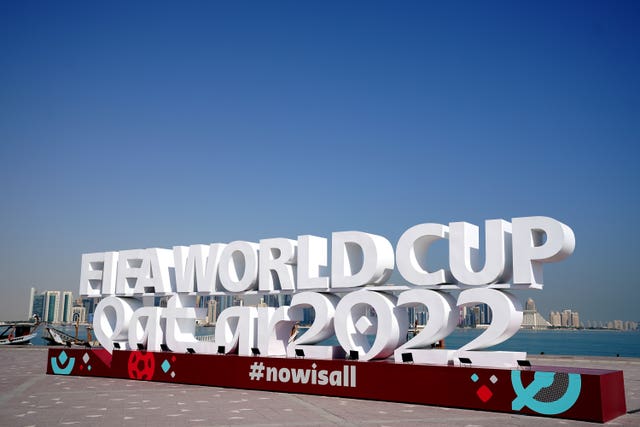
(145,125)
(480,314)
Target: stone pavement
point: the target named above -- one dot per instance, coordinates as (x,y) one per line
(29,397)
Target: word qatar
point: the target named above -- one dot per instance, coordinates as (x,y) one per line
(130,280)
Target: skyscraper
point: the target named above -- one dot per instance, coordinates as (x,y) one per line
(530,305)
(531,319)
(565,318)
(66,306)
(575,319)
(485,314)
(52,306)
(78,313)
(37,306)
(32,294)
(89,305)
(554,319)
(212,313)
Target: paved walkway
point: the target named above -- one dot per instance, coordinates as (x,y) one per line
(28,397)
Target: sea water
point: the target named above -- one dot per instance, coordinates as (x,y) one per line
(584,342)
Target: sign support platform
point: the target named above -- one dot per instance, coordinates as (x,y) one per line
(595,395)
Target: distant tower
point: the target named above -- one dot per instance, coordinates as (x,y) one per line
(617,324)
(66,307)
(52,306)
(37,306)
(89,305)
(530,305)
(212,313)
(575,319)
(485,314)
(565,318)
(79,313)
(531,319)
(554,318)
(32,294)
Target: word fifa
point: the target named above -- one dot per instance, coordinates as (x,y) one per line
(348,295)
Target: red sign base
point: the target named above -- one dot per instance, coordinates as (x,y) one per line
(573,393)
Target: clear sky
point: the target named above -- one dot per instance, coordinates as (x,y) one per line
(152,125)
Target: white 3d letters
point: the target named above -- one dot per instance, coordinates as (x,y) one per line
(537,240)
(464,252)
(98,274)
(129,271)
(277,264)
(359,259)
(111,320)
(155,279)
(146,328)
(235,330)
(344,296)
(389,326)
(312,256)
(411,254)
(180,316)
(239,266)
(196,268)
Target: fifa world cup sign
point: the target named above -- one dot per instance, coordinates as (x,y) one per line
(350,296)
(358,317)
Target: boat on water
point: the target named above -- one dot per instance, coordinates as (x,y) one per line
(14,333)
(55,336)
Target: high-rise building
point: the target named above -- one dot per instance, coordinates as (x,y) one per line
(565,318)
(471,316)
(37,306)
(66,306)
(52,306)
(462,315)
(89,305)
(485,316)
(617,324)
(212,314)
(555,319)
(575,319)
(222,302)
(78,314)
(417,314)
(32,294)
(411,315)
(530,305)
(531,319)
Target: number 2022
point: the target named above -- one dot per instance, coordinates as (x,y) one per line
(352,321)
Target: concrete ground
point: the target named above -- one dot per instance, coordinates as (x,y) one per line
(29,397)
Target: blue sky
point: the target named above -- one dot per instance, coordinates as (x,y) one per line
(152,125)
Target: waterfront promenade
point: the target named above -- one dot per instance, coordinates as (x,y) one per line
(29,397)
